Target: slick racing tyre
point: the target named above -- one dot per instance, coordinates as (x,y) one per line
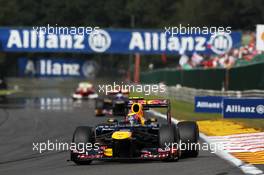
(169,135)
(189,135)
(82,135)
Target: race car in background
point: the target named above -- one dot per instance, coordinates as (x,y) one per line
(137,137)
(85,90)
(113,104)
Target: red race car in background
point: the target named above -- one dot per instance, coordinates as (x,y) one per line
(85,90)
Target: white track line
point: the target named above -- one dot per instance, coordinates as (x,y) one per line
(246,168)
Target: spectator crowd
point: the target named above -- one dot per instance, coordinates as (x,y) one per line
(227,60)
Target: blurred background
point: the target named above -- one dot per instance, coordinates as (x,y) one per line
(225,69)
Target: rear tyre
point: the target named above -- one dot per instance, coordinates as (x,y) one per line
(82,135)
(189,135)
(169,135)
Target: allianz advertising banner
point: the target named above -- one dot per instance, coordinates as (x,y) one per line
(243,108)
(117,41)
(57,67)
(208,104)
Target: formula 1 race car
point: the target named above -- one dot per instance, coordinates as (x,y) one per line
(85,90)
(113,104)
(136,137)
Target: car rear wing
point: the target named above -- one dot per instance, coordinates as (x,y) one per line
(152,103)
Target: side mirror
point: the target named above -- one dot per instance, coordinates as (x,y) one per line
(111,120)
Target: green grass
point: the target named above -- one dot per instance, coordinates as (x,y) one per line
(7,92)
(185,111)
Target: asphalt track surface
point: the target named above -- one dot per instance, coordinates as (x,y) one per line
(27,121)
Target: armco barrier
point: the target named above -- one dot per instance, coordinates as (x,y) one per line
(188,94)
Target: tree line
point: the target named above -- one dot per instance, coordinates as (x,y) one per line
(239,14)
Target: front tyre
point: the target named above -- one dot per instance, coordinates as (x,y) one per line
(82,135)
(168,136)
(189,135)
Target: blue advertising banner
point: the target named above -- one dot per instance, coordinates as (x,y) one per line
(116,41)
(208,104)
(56,67)
(243,108)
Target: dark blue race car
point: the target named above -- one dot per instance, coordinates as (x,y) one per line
(140,137)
